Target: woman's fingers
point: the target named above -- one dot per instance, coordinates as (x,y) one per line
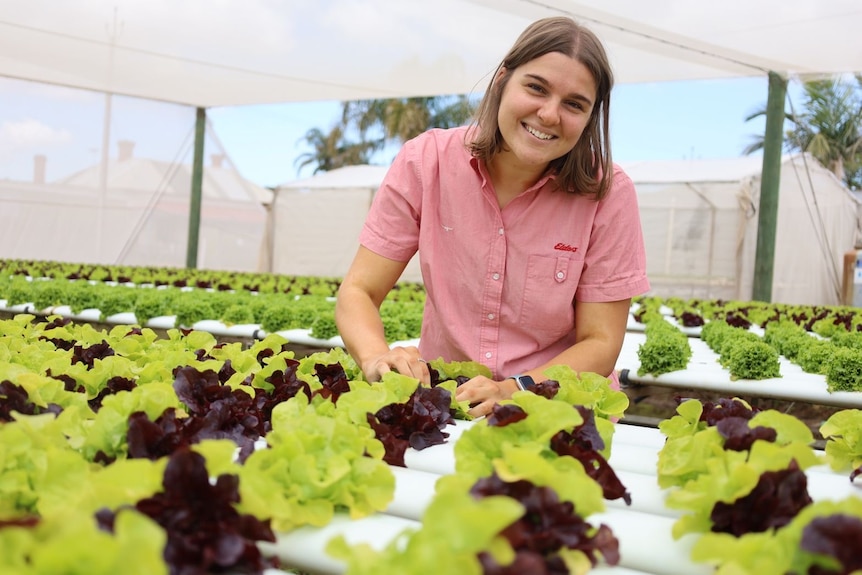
(404,360)
(413,368)
(482,393)
(482,409)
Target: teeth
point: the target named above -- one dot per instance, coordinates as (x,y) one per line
(540,135)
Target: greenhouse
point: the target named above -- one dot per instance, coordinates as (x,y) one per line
(175,396)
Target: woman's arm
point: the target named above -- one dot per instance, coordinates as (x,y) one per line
(357,315)
(599,332)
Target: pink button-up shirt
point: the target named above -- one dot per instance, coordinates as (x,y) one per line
(501,284)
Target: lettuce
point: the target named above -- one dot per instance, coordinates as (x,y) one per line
(314,467)
(734,469)
(843,435)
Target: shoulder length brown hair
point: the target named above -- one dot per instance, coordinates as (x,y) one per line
(587,168)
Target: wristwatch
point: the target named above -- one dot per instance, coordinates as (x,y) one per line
(524,382)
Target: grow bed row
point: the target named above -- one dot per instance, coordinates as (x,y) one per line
(122,426)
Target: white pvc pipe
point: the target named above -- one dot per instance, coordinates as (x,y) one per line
(19,308)
(414,490)
(638,435)
(826,485)
(84,315)
(250,330)
(647,497)
(646,543)
(304,548)
(303,337)
(125,318)
(633,458)
(439,459)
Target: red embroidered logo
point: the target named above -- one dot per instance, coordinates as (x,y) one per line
(565,247)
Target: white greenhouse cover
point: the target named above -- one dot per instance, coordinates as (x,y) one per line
(233,52)
(135,211)
(699,217)
(700,220)
(316,222)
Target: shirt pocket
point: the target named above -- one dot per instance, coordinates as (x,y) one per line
(549,294)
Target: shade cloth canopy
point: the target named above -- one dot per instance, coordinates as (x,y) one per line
(236,52)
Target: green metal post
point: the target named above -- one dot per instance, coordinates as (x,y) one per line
(197,190)
(770,180)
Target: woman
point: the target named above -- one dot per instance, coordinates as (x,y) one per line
(529,237)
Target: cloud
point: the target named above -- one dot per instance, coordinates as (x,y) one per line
(30,133)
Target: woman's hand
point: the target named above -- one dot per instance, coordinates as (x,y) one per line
(405,360)
(484,393)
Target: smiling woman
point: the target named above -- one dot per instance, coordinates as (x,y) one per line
(528,235)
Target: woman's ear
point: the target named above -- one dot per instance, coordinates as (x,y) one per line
(501,73)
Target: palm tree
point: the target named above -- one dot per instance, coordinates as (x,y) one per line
(332,150)
(400,119)
(378,123)
(829,128)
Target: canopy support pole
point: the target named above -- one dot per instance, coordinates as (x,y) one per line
(197,189)
(770,180)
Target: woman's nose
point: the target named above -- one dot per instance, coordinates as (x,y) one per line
(549,113)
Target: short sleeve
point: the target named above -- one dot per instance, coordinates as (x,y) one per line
(391,228)
(615,262)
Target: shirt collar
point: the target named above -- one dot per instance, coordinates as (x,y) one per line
(482,171)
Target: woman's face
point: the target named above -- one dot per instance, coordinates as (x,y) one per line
(544,109)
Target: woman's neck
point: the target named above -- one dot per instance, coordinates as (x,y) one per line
(510,179)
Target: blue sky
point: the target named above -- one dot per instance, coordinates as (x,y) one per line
(661,121)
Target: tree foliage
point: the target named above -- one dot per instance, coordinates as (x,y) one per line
(829,127)
(332,150)
(400,119)
(376,124)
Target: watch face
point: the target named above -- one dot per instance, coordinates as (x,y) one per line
(526,382)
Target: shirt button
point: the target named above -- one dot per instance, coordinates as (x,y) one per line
(560,275)
(500,231)
(488,355)
(496,276)
(490,316)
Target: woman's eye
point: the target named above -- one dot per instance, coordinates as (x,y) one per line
(536,88)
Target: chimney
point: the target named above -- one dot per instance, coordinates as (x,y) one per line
(39,162)
(125,150)
(216,160)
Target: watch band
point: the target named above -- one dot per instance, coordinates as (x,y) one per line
(524,382)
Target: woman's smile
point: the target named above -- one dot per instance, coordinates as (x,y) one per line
(539,134)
